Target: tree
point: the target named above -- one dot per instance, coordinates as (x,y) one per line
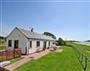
(1,37)
(87,40)
(60,41)
(50,34)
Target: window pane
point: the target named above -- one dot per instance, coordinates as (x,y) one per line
(38,43)
(16,42)
(9,43)
(30,44)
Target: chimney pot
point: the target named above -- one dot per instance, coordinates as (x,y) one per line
(32,30)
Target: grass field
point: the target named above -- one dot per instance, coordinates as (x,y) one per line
(83,48)
(14,60)
(85,51)
(2,44)
(65,61)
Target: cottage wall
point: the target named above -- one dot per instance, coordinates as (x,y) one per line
(24,42)
(17,35)
(34,47)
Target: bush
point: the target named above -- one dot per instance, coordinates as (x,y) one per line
(61,42)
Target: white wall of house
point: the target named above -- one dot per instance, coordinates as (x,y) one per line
(24,43)
(51,43)
(17,35)
(47,44)
(34,47)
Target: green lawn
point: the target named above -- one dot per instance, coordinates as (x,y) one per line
(83,48)
(2,44)
(15,59)
(65,61)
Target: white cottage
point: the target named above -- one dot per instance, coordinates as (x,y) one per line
(28,41)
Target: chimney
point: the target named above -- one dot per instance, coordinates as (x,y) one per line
(32,30)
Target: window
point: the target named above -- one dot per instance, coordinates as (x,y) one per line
(30,44)
(10,43)
(38,43)
(16,44)
(53,43)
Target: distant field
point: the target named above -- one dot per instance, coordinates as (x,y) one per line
(83,48)
(83,55)
(2,44)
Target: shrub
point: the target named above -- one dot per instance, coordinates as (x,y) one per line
(61,42)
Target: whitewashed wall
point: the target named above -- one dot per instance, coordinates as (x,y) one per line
(47,44)
(34,47)
(17,35)
(24,43)
(51,43)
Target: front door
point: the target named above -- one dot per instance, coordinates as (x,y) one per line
(16,44)
(44,45)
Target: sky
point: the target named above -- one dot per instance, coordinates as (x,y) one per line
(69,19)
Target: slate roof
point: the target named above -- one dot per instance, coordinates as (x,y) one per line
(35,35)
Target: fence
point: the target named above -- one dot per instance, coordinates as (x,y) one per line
(9,54)
(83,59)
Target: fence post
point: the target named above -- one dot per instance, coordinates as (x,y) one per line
(14,53)
(2,56)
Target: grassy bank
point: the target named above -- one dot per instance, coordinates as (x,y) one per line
(83,55)
(14,60)
(2,44)
(83,48)
(65,61)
